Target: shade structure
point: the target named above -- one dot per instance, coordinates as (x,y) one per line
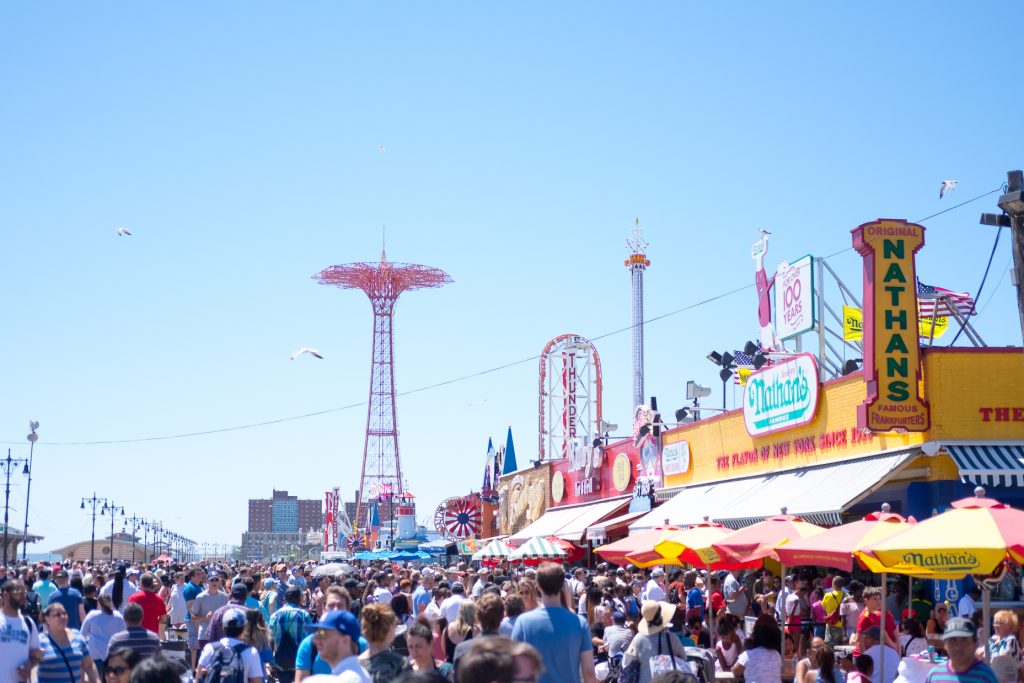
(759,541)
(573,552)
(409,556)
(495,550)
(539,548)
(973,537)
(643,541)
(835,547)
(695,546)
(331,568)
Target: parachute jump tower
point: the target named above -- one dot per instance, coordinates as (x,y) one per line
(383,283)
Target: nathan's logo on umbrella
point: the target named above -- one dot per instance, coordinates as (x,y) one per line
(943,561)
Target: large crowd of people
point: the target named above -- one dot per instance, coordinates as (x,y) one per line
(384,623)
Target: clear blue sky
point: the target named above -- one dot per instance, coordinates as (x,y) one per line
(238,141)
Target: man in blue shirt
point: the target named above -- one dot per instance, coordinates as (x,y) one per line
(191,591)
(70,598)
(561,637)
(422,596)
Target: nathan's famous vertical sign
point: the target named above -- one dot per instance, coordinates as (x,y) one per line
(892,354)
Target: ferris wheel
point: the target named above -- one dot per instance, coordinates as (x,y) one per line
(459,517)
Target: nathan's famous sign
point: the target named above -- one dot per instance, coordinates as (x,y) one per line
(781,396)
(892,353)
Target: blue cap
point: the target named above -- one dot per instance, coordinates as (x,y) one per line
(338,620)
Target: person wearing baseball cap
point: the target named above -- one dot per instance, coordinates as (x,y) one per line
(336,637)
(232,623)
(960,639)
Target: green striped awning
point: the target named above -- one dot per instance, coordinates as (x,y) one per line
(989,464)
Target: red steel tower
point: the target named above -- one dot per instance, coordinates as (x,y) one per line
(383,283)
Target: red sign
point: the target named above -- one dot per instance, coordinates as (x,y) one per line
(589,474)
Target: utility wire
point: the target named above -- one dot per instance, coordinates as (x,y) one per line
(974,305)
(480,373)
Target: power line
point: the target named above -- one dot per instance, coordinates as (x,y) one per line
(455,380)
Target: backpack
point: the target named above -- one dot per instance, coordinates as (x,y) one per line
(227,666)
(31,608)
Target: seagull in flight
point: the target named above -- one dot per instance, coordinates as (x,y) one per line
(121,232)
(381,148)
(478,402)
(947,186)
(312,352)
(764,232)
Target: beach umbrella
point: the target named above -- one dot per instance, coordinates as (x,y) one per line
(495,550)
(643,541)
(695,546)
(836,547)
(975,536)
(759,541)
(572,552)
(539,548)
(331,568)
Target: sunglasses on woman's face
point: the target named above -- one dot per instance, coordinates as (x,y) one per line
(116,670)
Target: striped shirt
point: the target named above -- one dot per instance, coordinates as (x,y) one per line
(979,672)
(138,638)
(54,667)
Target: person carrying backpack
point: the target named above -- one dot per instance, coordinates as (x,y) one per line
(229,660)
(287,628)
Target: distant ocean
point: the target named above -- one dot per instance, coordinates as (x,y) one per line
(42,557)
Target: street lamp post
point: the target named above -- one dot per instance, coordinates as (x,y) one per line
(136,521)
(8,463)
(113,518)
(96,504)
(32,438)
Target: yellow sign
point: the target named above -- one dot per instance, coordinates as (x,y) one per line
(973,394)
(743,374)
(622,472)
(892,353)
(852,323)
(926,325)
(853,319)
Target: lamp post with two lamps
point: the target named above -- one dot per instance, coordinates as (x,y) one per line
(727,362)
(8,463)
(113,518)
(32,437)
(96,504)
(136,522)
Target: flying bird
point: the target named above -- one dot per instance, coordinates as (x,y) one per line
(947,186)
(478,402)
(764,232)
(312,352)
(381,148)
(121,232)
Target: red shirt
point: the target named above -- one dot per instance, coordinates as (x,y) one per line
(717,601)
(866,620)
(153,609)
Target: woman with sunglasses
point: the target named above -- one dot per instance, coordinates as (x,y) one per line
(65,653)
(119,665)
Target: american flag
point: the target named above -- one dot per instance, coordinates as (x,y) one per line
(937,301)
(741,360)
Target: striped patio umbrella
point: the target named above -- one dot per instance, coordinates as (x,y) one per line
(973,537)
(495,550)
(759,541)
(836,547)
(539,548)
(619,551)
(694,546)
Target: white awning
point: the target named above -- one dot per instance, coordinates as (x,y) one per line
(575,530)
(552,522)
(819,494)
(598,533)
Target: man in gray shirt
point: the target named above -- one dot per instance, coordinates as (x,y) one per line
(206,603)
(617,637)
